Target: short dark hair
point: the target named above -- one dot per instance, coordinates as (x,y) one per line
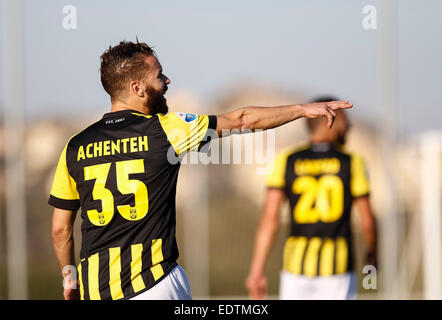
(313,124)
(123,63)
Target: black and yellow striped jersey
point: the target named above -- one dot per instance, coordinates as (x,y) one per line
(320,182)
(118,170)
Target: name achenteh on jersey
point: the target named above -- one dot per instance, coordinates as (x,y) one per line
(112,147)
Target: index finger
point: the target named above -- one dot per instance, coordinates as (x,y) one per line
(330,119)
(334,105)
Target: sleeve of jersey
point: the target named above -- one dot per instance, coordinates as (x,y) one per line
(276,169)
(187,132)
(64,194)
(359,182)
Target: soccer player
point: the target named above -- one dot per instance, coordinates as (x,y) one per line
(122,172)
(321,182)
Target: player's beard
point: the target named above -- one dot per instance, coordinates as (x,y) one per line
(157,103)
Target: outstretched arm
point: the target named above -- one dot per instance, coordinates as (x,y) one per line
(63,241)
(256,118)
(256,282)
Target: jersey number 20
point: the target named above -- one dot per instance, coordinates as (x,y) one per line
(125,185)
(321,199)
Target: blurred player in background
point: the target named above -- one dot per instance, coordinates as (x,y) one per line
(122,172)
(321,182)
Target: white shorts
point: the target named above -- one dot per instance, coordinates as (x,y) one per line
(174,286)
(299,287)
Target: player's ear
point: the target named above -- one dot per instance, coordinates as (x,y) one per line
(137,88)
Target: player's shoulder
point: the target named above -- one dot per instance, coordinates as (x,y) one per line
(278,166)
(177,118)
(86,132)
(123,120)
(181,124)
(354,159)
(340,149)
(289,152)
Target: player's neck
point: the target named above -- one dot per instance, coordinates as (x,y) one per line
(118,105)
(321,140)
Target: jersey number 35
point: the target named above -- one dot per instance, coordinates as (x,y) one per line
(125,185)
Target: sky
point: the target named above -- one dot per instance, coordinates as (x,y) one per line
(302,47)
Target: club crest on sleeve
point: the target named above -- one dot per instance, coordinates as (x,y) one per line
(188,117)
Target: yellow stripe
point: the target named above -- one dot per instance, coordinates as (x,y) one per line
(327,259)
(341,255)
(311,257)
(136,267)
(114,273)
(80,279)
(295,265)
(288,253)
(93,270)
(157,258)
(157,271)
(142,115)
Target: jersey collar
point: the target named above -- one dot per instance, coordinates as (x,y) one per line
(325,146)
(121,113)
